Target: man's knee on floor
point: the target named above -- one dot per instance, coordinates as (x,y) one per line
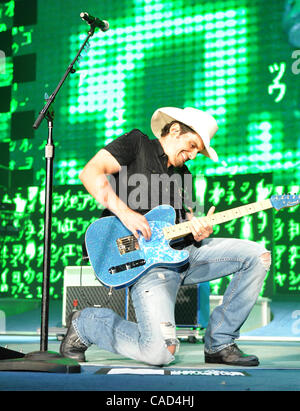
(164,355)
(161,358)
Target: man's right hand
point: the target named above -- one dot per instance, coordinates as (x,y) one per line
(135,222)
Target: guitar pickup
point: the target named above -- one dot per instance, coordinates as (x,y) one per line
(127,266)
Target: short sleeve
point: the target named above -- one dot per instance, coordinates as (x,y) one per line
(126,147)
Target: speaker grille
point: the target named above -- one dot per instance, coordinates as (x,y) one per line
(91,296)
(187,305)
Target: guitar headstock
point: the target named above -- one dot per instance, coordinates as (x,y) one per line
(282,201)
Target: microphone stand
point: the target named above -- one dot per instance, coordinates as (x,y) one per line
(43,360)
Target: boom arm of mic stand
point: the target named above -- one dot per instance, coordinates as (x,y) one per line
(70,69)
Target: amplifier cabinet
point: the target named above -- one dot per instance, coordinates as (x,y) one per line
(82,289)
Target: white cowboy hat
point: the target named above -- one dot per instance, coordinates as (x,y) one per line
(200,121)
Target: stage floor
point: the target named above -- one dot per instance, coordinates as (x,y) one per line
(279,370)
(277,345)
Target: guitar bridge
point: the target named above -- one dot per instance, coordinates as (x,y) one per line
(127,244)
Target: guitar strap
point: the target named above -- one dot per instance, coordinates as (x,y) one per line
(85,256)
(183,242)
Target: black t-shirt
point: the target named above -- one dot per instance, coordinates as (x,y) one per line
(145,181)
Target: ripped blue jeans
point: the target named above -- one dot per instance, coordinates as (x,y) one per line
(154,297)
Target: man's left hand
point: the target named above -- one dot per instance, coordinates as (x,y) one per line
(199,227)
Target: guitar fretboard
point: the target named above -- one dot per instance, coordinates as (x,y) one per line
(183,229)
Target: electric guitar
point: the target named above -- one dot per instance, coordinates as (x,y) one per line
(119,259)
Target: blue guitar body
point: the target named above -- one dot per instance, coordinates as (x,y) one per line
(119,260)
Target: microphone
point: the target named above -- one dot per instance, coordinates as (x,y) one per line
(94,21)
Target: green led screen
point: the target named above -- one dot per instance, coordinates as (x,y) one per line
(231,58)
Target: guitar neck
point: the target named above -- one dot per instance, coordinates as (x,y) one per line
(183,229)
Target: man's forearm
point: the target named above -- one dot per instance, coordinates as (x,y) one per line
(100,188)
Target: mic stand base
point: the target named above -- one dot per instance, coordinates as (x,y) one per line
(41,361)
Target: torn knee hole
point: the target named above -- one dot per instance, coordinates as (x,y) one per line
(266,260)
(172,348)
(168,331)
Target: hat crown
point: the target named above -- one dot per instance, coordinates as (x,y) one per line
(200,121)
(195,117)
